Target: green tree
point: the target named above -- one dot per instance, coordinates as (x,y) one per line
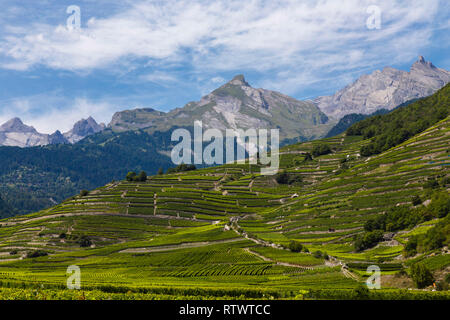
(421,275)
(295,246)
(131,176)
(321,149)
(142,176)
(160,171)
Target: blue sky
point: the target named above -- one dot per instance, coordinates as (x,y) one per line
(163,54)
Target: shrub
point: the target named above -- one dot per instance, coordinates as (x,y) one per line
(284,178)
(411,246)
(131,176)
(361,292)
(85,241)
(421,275)
(182,168)
(84,193)
(62,235)
(160,171)
(36,253)
(317,254)
(13,252)
(141,177)
(321,149)
(440,204)
(416,200)
(295,246)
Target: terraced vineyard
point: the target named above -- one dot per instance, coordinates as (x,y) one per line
(224,231)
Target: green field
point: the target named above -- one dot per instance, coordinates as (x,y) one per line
(222,232)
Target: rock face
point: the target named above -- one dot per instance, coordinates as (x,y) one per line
(15,133)
(235,105)
(385,89)
(82,129)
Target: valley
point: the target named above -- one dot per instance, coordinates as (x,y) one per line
(226,231)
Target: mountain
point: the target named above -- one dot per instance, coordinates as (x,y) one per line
(82,129)
(385,89)
(234,105)
(15,133)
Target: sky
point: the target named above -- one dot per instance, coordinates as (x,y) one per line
(163,54)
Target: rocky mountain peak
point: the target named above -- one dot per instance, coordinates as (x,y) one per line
(239,80)
(422,63)
(83,128)
(385,90)
(16,125)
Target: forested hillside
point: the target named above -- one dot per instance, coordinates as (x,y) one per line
(38,177)
(389,130)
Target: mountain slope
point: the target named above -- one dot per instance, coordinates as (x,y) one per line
(224,230)
(221,230)
(385,89)
(389,130)
(38,177)
(234,105)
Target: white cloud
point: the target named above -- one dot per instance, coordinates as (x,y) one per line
(298,43)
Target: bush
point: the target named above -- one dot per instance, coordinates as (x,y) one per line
(295,246)
(416,200)
(182,168)
(440,204)
(321,149)
(317,254)
(36,253)
(361,292)
(421,275)
(142,177)
(160,171)
(283,177)
(131,176)
(85,241)
(84,193)
(62,235)
(411,246)
(13,252)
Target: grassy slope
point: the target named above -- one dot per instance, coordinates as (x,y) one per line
(169,231)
